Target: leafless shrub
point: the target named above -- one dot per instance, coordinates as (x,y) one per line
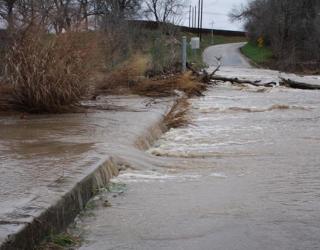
(116,42)
(5,92)
(165,51)
(119,80)
(47,73)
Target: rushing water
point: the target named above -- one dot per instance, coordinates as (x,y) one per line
(271,137)
(244,174)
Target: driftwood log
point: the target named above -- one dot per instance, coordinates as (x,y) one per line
(298,85)
(239,81)
(207,78)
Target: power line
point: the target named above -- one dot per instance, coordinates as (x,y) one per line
(209,13)
(215,13)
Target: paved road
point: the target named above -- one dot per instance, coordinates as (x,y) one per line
(230,54)
(235,65)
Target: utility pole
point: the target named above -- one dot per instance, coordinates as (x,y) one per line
(201,20)
(195,16)
(199,13)
(184,53)
(212,23)
(190,16)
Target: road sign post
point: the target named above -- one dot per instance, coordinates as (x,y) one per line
(184,53)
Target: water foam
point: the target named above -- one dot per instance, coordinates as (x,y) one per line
(252,109)
(150,176)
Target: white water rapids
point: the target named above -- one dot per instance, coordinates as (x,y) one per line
(243,175)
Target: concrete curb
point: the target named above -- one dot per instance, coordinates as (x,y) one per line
(57,216)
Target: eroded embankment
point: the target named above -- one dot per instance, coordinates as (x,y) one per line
(64,178)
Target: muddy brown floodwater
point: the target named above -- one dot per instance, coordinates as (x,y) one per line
(43,157)
(244,174)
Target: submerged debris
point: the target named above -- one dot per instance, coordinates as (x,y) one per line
(168,86)
(117,188)
(298,85)
(177,117)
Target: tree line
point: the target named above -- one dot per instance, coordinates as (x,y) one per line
(60,15)
(290,28)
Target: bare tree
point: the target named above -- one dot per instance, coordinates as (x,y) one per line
(291,28)
(164,10)
(65,14)
(7,12)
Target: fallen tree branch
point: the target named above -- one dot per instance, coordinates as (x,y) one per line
(203,75)
(194,72)
(298,85)
(218,67)
(234,80)
(238,81)
(207,78)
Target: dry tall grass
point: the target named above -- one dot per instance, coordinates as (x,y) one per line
(129,78)
(123,77)
(169,85)
(5,92)
(47,73)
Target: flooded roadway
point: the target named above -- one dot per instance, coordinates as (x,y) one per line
(244,174)
(44,157)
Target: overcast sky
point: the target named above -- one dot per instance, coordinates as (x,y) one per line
(217,11)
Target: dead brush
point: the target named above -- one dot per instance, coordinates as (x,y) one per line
(5,92)
(121,79)
(169,85)
(47,73)
(178,117)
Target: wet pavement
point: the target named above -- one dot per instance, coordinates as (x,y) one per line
(229,53)
(235,65)
(244,174)
(41,157)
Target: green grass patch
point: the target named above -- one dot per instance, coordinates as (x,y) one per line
(59,242)
(256,54)
(63,240)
